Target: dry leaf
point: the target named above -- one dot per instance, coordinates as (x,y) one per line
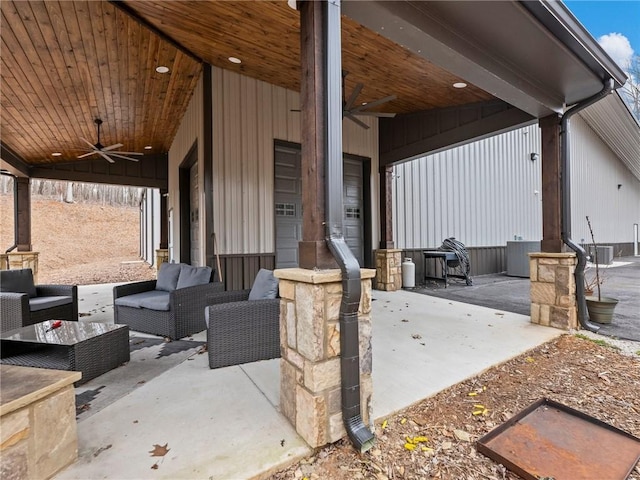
(154,466)
(462,435)
(159,450)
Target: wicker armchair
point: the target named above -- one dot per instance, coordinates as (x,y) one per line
(241,330)
(184,317)
(36,303)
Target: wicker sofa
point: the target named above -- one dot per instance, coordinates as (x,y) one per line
(168,306)
(23,303)
(244,326)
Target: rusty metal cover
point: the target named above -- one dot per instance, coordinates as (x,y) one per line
(548,439)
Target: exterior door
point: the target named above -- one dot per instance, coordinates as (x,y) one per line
(288,206)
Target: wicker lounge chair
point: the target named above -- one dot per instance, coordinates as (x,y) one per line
(23,303)
(161,309)
(242,330)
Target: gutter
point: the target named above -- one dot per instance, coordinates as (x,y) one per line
(359,434)
(565,154)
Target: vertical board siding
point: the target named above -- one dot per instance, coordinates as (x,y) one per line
(190,131)
(482,193)
(248,116)
(596,173)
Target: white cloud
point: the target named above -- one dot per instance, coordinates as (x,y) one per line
(618,48)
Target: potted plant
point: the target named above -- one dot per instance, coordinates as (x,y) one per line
(600,308)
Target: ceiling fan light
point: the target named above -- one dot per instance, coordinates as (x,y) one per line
(162,69)
(459,85)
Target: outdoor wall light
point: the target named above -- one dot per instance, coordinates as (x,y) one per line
(619,186)
(534,157)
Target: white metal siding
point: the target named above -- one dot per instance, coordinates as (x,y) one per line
(248,115)
(190,130)
(596,173)
(483,193)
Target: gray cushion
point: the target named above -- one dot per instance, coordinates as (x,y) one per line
(18,281)
(42,303)
(264,286)
(191,276)
(136,300)
(160,303)
(168,276)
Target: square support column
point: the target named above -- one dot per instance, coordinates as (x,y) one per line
(310,377)
(389,269)
(162,256)
(553,290)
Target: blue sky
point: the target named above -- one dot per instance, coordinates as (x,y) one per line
(604,17)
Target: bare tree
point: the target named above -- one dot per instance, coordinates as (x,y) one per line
(631,89)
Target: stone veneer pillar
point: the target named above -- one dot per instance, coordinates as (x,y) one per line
(310,378)
(18,260)
(553,289)
(389,269)
(162,256)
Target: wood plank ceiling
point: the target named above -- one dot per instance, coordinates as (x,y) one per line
(65,63)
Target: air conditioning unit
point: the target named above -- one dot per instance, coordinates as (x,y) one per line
(605,254)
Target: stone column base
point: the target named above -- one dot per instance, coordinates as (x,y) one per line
(553,290)
(162,256)
(18,260)
(389,269)
(310,376)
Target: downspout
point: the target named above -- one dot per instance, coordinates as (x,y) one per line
(360,435)
(565,154)
(15,213)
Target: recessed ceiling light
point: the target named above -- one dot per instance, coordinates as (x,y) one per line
(292,4)
(459,85)
(56,154)
(162,69)
(235,60)
(148,147)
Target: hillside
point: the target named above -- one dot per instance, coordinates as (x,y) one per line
(81,243)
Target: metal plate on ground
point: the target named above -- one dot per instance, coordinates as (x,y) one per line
(548,439)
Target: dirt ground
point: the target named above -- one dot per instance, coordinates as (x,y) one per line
(81,243)
(436,437)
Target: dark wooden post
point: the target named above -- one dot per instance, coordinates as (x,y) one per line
(551,185)
(164,219)
(386,205)
(313,251)
(23,196)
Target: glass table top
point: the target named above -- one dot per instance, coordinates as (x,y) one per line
(68,333)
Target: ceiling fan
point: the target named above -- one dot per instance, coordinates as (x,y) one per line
(350,110)
(106,152)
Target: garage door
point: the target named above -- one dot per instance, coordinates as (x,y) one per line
(288,206)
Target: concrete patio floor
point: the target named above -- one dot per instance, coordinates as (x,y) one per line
(226,424)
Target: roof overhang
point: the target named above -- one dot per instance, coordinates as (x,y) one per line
(534,55)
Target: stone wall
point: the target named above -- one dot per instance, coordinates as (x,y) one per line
(18,260)
(553,290)
(310,377)
(389,269)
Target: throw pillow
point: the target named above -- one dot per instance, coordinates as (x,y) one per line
(168,276)
(191,276)
(264,286)
(18,281)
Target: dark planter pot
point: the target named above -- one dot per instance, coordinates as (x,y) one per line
(601,311)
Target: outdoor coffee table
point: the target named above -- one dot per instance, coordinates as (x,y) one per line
(89,347)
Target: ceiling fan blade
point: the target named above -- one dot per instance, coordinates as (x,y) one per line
(120,156)
(354,94)
(89,143)
(87,154)
(374,104)
(128,153)
(356,120)
(376,114)
(112,147)
(106,157)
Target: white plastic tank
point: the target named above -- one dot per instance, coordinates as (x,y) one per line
(408,273)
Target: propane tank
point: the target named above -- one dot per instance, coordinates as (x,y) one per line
(408,273)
